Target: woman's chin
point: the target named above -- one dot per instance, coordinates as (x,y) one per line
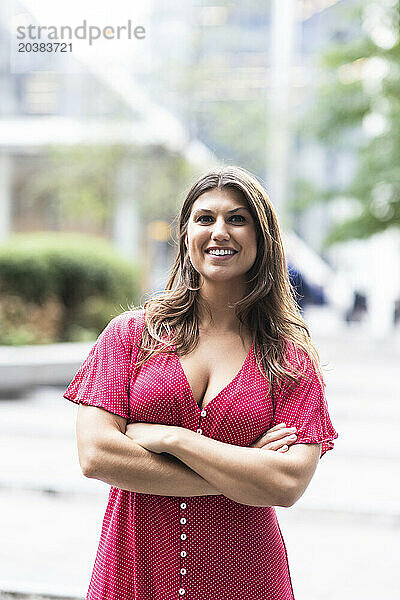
(221,276)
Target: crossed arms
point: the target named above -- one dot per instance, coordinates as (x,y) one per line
(174,461)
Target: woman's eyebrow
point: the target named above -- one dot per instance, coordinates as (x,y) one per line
(207,210)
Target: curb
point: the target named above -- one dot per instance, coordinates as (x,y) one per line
(8,591)
(6,595)
(22,367)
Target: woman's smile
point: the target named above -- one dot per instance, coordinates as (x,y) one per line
(218,259)
(221,254)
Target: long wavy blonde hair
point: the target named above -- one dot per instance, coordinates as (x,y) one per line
(269,310)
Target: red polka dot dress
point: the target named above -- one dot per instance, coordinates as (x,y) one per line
(196,548)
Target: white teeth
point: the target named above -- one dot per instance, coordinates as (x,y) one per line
(220,252)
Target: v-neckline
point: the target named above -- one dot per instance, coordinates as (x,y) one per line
(200,408)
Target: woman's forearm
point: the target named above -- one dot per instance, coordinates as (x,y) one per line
(121,462)
(251,476)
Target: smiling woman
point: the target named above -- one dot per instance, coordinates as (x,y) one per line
(204,410)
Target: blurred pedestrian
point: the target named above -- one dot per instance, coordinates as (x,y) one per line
(358,310)
(306,293)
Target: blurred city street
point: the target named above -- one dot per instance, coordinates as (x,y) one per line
(341,536)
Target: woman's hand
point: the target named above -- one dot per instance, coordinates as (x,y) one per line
(278,438)
(157,438)
(150,436)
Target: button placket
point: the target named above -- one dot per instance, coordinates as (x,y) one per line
(183,521)
(203,414)
(183,553)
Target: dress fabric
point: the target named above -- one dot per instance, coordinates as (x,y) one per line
(196,548)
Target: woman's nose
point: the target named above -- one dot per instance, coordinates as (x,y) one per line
(220,230)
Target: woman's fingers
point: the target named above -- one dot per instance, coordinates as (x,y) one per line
(277,438)
(279,431)
(276,445)
(278,434)
(279,426)
(272,436)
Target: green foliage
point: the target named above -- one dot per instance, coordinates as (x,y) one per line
(362,80)
(305,194)
(23,322)
(339,110)
(81,280)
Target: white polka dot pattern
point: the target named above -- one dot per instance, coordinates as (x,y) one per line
(203,547)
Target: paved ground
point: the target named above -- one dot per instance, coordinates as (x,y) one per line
(342,536)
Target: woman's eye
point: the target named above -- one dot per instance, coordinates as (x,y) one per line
(232,219)
(203,219)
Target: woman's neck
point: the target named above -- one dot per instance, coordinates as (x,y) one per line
(217,312)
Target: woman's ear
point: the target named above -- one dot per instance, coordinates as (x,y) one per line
(185,239)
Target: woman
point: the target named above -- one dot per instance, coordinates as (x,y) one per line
(188,410)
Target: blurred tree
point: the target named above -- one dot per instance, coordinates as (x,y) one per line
(357,110)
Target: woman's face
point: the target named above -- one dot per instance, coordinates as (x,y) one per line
(221,236)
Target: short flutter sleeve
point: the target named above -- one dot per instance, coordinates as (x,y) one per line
(103,378)
(305,407)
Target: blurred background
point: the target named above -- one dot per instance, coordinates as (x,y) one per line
(98,146)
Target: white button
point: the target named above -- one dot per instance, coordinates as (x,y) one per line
(203,413)
(183,505)
(183,536)
(183,571)
(181,591)
(199,430)
(183,521)
(183,553)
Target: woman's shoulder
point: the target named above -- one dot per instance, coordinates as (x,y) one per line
(127,324)
(296,356)
(304,363)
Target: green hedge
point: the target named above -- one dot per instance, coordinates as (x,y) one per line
(61,287)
